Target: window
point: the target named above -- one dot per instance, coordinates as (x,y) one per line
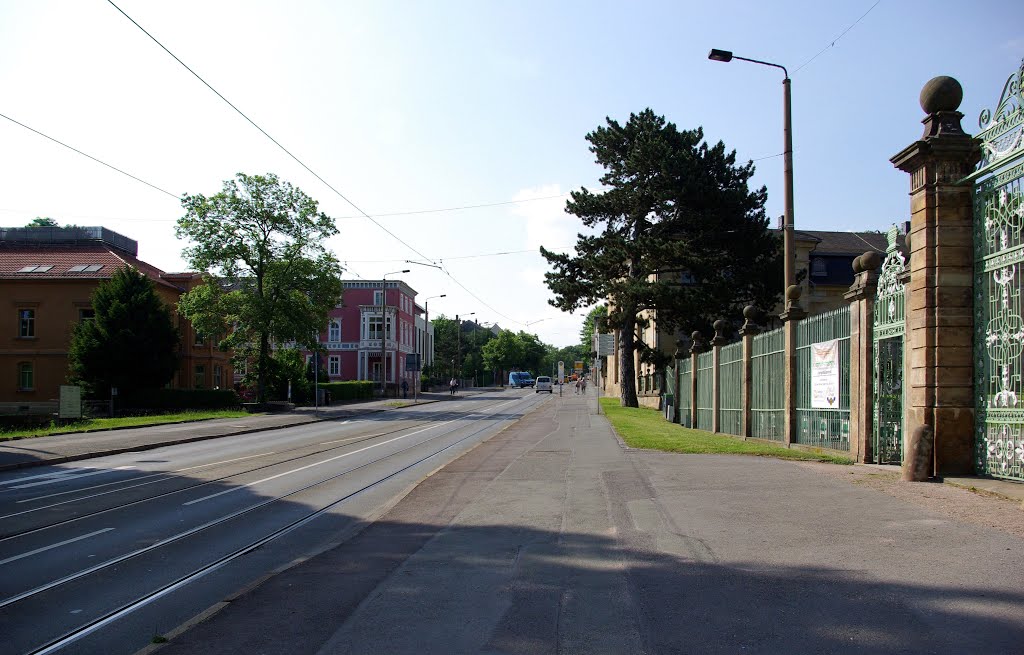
(85,314)
(26,323)
(26,377)
(85,268)
(200,340)
(334,331)
(218,374)
(818,268)
(35,269)
(375,328)
(199,377)
(377,295)
(334,365)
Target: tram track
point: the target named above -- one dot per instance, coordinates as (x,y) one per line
(106,618)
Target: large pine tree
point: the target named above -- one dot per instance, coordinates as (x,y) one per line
(131,343)
(675,229)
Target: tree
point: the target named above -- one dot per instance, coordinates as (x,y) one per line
(676,230)
(596,315)
(273,279)
(130,343)
(43,221)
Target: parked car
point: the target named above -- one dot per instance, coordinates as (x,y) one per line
(543,383)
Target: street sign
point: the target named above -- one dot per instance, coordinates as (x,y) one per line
(70,401)
(561,372)
(412,362)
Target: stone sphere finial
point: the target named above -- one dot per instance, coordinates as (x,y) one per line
(721,325)
(941,93)
(751,313)
(858,265)
(793,293)
(870,260)
(697,336)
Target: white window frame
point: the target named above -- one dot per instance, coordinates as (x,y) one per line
(334,331)
(26,323)
(334,365)
(26,373)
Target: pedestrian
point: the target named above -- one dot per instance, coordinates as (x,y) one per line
(577,390)
(583,385)
(451,386)
(405,388)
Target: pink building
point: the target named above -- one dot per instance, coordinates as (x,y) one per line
(363,343)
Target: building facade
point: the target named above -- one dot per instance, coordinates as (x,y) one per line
(47,278)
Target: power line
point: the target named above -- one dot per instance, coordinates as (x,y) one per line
(835,40)
(453,209)
(98,161)
(264,132)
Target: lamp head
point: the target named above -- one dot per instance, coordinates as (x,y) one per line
(720,55)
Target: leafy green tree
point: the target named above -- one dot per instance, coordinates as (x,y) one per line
(598,314)
(130,343)
(43,221)
(676,229)
(273,280)
(445,346)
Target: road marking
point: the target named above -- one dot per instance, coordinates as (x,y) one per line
(55,474)
(51,547)
(71,476)
(365,436)
(309,466)
(224,461)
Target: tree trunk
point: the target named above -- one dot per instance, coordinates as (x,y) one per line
(261,369)
(627,365)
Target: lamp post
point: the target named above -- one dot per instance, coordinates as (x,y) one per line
(426,328)
(384,331)
(458,342)
(787,154)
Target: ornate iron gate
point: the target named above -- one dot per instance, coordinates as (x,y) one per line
(998,269)
(887,337)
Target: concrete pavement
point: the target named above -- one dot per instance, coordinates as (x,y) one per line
(554,538)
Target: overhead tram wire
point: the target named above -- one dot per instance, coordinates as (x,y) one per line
(299,161)
(98,161)
(836,40)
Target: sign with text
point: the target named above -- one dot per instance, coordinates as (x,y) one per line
(578,366)
(70,401)
(412,362)
(825,374)
(561,372)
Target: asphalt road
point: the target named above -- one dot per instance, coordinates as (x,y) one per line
(100,555)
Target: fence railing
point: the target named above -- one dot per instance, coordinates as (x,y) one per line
(767,392)
(705,391)
(683,397)
(730,389)
(820,426)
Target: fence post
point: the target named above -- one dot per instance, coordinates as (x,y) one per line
(749,329)
(861,297)
(793,314)
(940,314)
(719,340)
(697,347)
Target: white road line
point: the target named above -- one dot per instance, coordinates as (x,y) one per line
(71,476)
(55,474)
(224,461)
(364,436)
(309,466)
(51,547)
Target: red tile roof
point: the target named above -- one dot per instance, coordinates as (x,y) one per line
(61,258)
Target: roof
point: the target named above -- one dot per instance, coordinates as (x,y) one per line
(92,261)
(845,243)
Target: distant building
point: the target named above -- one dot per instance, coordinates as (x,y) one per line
(47,277)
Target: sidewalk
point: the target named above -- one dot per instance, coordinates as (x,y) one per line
(73,446)
(552,537)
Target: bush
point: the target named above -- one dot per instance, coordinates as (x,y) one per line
(163,399)
(354,390)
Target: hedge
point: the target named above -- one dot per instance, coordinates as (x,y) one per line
(179,399)
(353,390)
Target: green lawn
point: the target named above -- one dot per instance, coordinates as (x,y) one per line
(647,428)
(126,422)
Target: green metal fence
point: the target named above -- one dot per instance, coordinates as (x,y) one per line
(705,391)
(730,389)
(668,397)
(768,373)
(683,397)
(819,426)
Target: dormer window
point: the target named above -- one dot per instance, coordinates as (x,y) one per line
(818,268)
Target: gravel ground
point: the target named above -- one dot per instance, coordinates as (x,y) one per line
(955,503)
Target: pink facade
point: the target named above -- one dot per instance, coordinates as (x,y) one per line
(353,337)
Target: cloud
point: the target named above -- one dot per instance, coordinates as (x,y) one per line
(546,222)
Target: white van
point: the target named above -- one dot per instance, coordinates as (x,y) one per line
(543,383)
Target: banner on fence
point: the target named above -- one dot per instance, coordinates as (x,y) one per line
(825,374)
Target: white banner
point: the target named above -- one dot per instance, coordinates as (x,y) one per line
(825,375)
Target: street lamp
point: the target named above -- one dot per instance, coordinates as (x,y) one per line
(426,326)
(384,328)
(458,342)
(787,154)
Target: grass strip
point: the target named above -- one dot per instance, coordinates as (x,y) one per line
(91,425)
(647,428)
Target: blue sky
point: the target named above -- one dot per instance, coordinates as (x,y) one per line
(412,106)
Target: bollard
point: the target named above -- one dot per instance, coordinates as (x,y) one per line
(917,467)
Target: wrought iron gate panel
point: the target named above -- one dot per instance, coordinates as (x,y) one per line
(887,336)
(685,389)
(730,393)
(998,269)
(767,402)
(824,428)
(705,391)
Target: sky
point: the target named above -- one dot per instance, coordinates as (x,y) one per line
(460,126)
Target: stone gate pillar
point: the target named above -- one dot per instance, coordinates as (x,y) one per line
(749,330)
(794,314)
(940,312)
(861,297)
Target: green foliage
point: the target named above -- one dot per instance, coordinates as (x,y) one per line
(130,344)
(596,316)
(514,351)
(675,229)
(353,390)
(264,240)
(182,399)
(43,221)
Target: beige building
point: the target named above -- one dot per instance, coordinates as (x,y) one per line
(47,277)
